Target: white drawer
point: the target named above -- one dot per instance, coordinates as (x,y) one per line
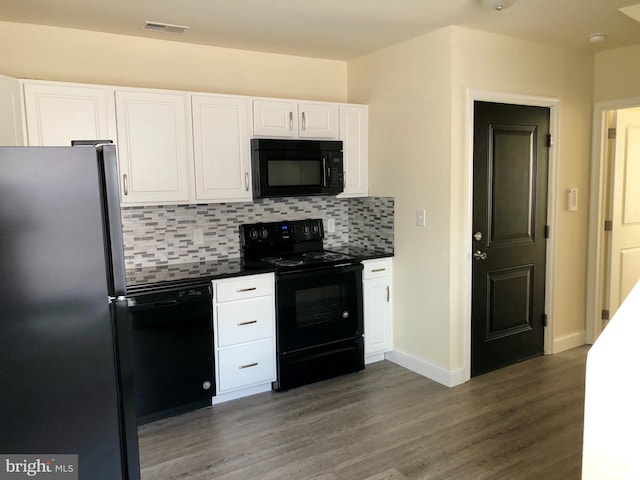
(246,365)
(376,268)
(243,287)
(245,321)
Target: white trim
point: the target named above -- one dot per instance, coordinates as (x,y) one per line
(448,378)
(517,99)
(377,357)
(245,392)
(595,283)
(567,342)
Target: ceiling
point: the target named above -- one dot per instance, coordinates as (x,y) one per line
(336,29)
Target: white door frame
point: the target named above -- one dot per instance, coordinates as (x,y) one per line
(598,190)
(500,97)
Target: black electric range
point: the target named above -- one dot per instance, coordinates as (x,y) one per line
(319,312)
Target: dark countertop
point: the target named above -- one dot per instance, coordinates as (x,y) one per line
(181,274)
(172,275)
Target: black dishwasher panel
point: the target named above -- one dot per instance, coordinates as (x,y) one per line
(172,336)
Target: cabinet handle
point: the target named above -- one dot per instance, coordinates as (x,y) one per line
(247,323)
(248,365)
(290,120)
(304,121)
(387,293)
(125,184)
(250,289)
(246,181)
(378,270)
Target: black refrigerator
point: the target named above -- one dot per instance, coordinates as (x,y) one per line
(66,385)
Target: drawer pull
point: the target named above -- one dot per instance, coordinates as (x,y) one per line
(247,323)
(250,289)
(249,365)
(378,270)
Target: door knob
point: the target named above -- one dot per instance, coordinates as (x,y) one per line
(477,236)
(478,255)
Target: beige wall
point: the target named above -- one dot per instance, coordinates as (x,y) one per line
(616,74)
(51,53)
(408,89)
(417,92)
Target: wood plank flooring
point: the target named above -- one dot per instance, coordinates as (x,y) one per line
(386,423)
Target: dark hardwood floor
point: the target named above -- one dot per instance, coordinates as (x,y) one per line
(520,422)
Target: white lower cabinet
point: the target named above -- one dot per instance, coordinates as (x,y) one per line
(244,335)
(377,289)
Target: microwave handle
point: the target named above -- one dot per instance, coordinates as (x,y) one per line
(324,171)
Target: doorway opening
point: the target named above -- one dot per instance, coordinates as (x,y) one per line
(614,241)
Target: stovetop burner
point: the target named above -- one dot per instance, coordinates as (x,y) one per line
(286,245)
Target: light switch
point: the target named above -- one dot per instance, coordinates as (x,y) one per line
(420,217)
(331,225)
(572,199)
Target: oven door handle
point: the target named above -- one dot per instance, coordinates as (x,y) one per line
(325,268)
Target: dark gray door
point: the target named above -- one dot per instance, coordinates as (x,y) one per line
(510,165)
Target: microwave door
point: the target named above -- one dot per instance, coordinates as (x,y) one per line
(300,176)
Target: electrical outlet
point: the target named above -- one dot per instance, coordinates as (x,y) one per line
(421,218)
(331,225)
(198,236)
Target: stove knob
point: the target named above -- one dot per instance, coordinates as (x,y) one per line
(305,229)
(264,233)
(345,314)
(253,234)
(315,229)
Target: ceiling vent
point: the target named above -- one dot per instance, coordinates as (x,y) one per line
(164,27)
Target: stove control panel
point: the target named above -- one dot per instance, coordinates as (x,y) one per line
(274,233)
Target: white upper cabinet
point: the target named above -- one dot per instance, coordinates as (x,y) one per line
(10,112)
(221,148)
(59,113)
(354,133)
(153,147)
(292,119)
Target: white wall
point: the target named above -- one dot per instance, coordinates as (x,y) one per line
(417,92)
(408,89)
(616,74)
(63,54)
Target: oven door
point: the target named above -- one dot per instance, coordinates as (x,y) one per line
(318,306)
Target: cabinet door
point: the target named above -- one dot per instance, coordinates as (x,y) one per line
(354,133)
(59,113)
(378,336)
(318,120)
(152,146)
(221,148)
(273,118)
(10,113)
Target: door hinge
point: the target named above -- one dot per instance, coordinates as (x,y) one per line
(611,133)
(605,315)
(547,231)
(544,319)
(608,226)
(549,140)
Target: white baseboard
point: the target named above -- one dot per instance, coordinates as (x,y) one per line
(245,392)
(568,342)
(448,378)
(378,357)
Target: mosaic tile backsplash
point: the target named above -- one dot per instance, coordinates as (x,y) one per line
(161,235)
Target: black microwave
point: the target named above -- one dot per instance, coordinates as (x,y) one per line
(283,168)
